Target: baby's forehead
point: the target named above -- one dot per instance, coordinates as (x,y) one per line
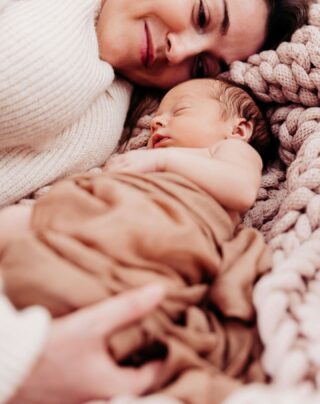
(188,92)
(198,87)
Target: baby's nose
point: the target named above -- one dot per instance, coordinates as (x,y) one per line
(157,122)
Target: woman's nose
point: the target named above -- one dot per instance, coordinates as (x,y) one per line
(182,46)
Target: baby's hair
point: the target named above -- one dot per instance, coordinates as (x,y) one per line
(237,102)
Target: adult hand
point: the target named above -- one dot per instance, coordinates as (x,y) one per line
(75,366)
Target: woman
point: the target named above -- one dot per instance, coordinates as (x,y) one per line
(152,43)
(62,112)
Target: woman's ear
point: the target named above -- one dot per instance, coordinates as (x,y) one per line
(242,130)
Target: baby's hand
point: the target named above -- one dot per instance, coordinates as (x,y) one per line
(139,161)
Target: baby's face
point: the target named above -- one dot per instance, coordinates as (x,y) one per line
(188,116)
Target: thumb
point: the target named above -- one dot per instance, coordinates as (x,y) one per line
(105,317)
(139,380)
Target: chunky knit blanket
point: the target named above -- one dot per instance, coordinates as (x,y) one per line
(287,211)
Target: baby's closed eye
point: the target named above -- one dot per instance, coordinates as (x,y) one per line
(179,109)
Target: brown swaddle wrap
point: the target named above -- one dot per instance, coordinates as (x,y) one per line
(97,235)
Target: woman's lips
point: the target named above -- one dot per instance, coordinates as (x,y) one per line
(147,52)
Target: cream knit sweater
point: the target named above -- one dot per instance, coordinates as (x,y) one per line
(61,110)
(22,336)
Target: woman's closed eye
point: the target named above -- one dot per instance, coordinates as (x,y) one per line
(203,67)
(199,68)
(202,19)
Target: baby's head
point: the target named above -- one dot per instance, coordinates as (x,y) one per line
(201,112)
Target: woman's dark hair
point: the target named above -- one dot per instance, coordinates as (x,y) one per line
(285,16)
(144,101)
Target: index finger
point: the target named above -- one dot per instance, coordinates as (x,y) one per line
(123,309)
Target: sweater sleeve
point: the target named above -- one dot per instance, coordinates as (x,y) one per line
(22,336)
(86,144)
(4,3)
(50,70)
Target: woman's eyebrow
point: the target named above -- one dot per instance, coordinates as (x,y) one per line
(225,23)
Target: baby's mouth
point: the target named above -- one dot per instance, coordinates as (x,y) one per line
(158,140)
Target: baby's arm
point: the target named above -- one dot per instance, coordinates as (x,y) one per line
(231,173)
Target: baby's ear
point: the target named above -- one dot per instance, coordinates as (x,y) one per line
(242,130)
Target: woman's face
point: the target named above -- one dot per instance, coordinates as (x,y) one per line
(164,42)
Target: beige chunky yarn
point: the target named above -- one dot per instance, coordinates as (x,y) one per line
(288,212)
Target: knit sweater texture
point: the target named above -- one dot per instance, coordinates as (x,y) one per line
(61,108)
(22,336)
